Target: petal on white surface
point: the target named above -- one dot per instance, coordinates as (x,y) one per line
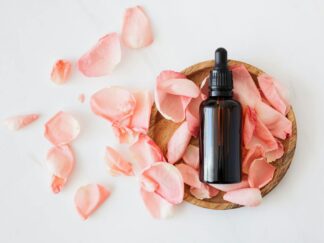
(15,123)
(116,164)
(61,71)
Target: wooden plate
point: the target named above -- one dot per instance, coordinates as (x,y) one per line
(161,131)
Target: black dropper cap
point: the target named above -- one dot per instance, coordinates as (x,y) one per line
(220,79)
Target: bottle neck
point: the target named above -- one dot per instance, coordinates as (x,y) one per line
(220,93)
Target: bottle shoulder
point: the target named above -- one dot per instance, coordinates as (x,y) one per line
(219,102)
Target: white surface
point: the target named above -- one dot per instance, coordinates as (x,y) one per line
(284,38)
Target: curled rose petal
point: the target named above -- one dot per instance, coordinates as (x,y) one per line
(231,187)
(61,71)
(145,152)
(17,122)
(88,198)
(62,128)
(136,30)
(102,58)
(117,164)
(250,197)
(113,104)
(260,173)
(275,154)
(191,156)
(256,152)
(178,143)
(169,179)
(148,184)
(203,192)
(274,93)
(190,175)
(60,162)
(158,207)
(173,93)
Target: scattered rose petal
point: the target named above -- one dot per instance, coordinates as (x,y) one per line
(275,154)
(256,152)
(60,162)
(190,175)
(62,128)
(102,58)
(17,122)
(231,187)
(148,184)
(250,197)
(169,179)
(260,173)
(140,120)
(145,152)
(137,30)
(178,143)
(158,207)
(81,98)
(173,93)
(203,192)
(113,104)
(61,71)
(117,164)
(191,156)
(88,198)
(274,93)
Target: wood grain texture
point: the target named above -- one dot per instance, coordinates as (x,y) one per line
(161,131)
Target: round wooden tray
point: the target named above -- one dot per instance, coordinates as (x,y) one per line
(161,131)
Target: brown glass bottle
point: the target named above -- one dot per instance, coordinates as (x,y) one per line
(220,128)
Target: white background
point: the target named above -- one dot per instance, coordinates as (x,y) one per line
(284,38)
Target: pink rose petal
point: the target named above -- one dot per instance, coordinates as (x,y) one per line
(102,58)
(125,134)
(231,187)
(260,173)
(61,129)
(81,98)
(61,71)
(117,164)
(169,179)
(250,197)
(148,184)
(173,93)
(256,152)
(203,192)
(178,143)
(113,104)
(137,30)
(191,156)
(204,89)
(158,207)
(17,122)
(88,198)
(60,162)
(145,152)
(190,175)
(192,115)
(274,93)
(275,154)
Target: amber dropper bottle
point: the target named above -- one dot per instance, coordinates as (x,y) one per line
(220,129)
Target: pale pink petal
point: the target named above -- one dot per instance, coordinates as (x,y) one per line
(137,30)
(190,175)
(61,71)
(140,120)
(60,162)
(245,90)
(102,58)
(17,122)
(204,88)
(231,187)
(173,93)
(158,207)
(191,156)
(62,128)
(250,197)
(113,104)
(273,93)
(275,154)
(88,198)
(81,98)
(178,143)
(256,133)
(203,192)
(145,152)
(169,179)
(192,115)
(279,125)
(117,164)
(148,184)
(260,173)
(256,152)
(125,134)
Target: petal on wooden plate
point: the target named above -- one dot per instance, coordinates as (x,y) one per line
(231,187)
(260,173)
(204,192)
(190,175)
(191,156)
(117,164)
(250,197)
(256,152)
(275,154)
